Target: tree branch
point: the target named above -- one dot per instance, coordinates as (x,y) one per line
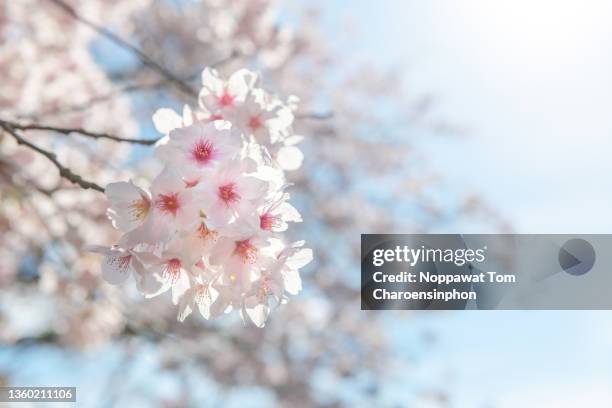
(83,132)
(315,115)
(145,59)
(133,88)
(63,171)
(60,110)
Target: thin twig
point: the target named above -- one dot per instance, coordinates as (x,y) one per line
(63,171)
(11,175)
(145,59)
(61,110)
(315,116)
(83,132)
(130,88)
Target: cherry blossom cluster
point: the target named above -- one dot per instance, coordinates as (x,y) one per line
(210,227)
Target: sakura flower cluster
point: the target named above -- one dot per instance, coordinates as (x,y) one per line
(210,226)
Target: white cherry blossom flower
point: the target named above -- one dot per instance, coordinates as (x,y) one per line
(130,205)
(240,256)
(229,191)
(274,216)
(211,230)
(221,97)
(289,262)
(266,293)
(200,294)
(173,210)
(173,202)
(198,147)
(280,276)
(174,266)
(118,264)
(256,116)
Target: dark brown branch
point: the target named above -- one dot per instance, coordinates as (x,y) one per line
(83,132)
(63,171)
(145,59)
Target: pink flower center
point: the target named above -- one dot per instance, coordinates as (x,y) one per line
(203,152)
(172,271)
(226,99)
(169,203)
(206,233)
(246,251)
(140,208)
(255,122)
(268,221)
(228,193)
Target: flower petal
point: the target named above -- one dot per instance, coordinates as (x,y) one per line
(166,120)
(116,269)
(289,158)
(258,313)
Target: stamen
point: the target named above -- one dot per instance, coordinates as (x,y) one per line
(203,152)
(269,221)
(172,271)
(169,203)
(140,208)
(246,250)
(206,233)
(228,194)
(255,122)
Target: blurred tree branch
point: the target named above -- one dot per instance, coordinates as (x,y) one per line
(64,172)
(180,37)
(315,115)
(145,59)
(129,88)
(82,132)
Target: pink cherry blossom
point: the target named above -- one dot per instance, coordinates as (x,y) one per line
(275,215)
(230,190)
(240,256)
(199,146)
(130,205)
(199,293)
(210,230)
(223,98)
(118,264)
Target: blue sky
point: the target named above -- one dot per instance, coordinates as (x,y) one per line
(530,82)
